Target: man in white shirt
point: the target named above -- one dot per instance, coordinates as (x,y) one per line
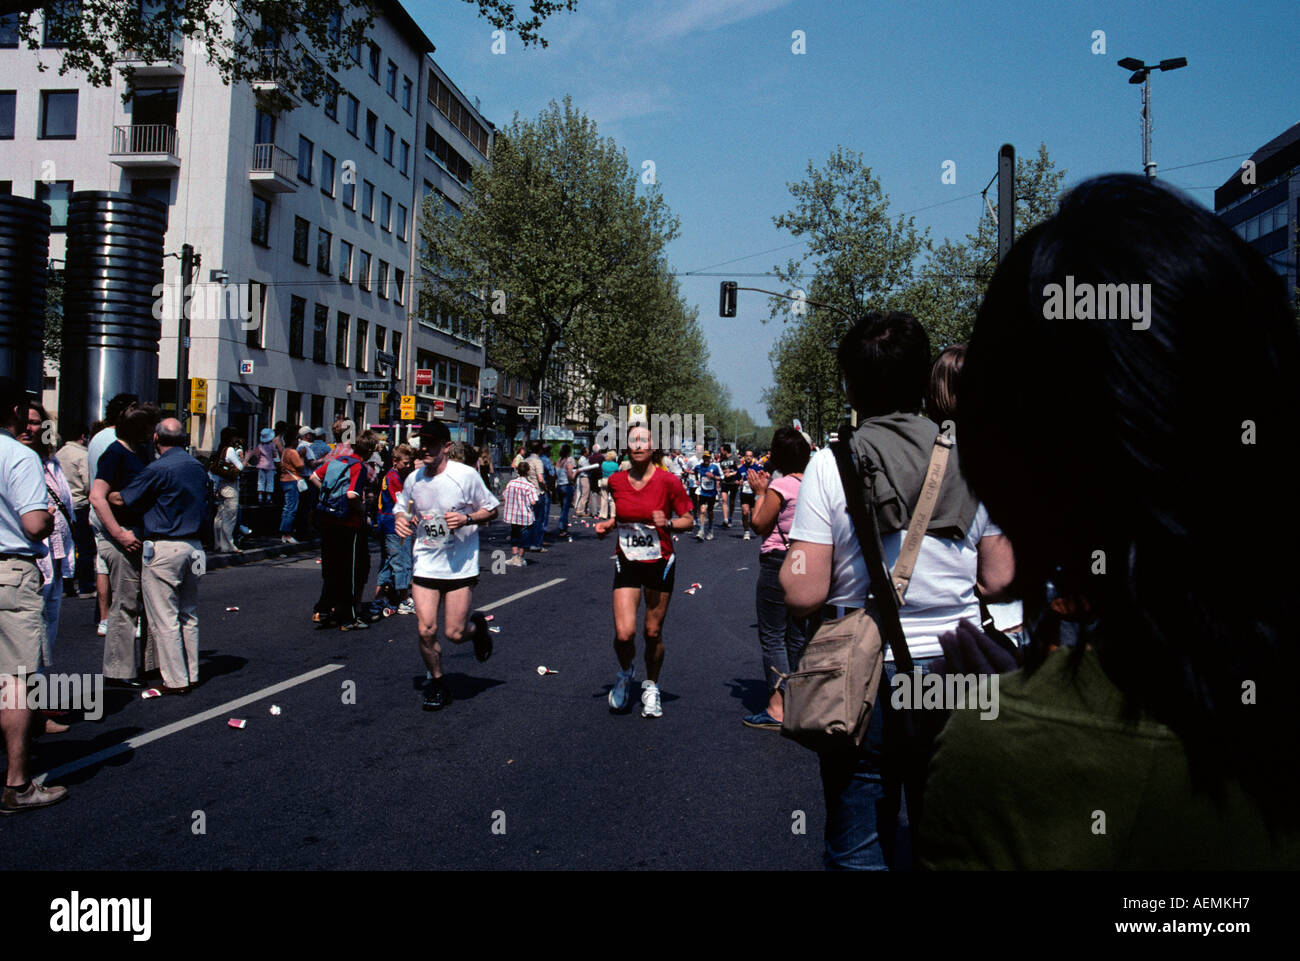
(443,504)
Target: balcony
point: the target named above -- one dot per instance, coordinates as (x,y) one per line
(273,169)
(145,145)
(173,66)
(271,65)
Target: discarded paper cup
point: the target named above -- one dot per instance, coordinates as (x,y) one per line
(238,722)
(152,692)
(275,709)
(543,670)
(232,608)
(495,630)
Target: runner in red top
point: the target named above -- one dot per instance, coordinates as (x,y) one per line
(645,500)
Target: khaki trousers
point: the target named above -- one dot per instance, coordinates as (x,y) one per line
(121,646)
(170,583)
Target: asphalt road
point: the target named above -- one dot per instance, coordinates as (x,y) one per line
(521,771)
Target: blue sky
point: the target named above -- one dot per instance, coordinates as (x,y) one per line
(711,91)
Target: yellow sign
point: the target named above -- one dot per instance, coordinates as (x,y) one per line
(636,414)
(408,407)
(198,396)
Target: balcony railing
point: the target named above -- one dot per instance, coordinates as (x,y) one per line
(148,143)
(273,169)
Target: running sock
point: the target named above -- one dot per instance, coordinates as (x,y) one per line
(20,788)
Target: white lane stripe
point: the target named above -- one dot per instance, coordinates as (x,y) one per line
(147,738)
(515,597)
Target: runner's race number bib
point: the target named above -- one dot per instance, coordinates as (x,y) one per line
(433,530)
(639,542)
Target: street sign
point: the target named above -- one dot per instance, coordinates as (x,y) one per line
(529,411)
(199,395)
(424,377)
(367,385)
(408,407)
(245,367)
(636,414)
(384,357)
(489,379)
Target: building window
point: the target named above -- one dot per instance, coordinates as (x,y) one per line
(390,82)
(317,412)
(388,146)
(57,195)
(363,352)
(399,285)
(368,200)
(341,341)
(406,94)
(305,150)
(363,271)
(404,158)
(372,127)
(340,408)
(264,128)
(359,413)
(327,173)
(383,280)
(381,336)
(320,334)
(261,221)
(385,211)
(332,99)
(8,111)
(297,320)
(255,325)
(353,110)
(301,228)
(324,244)
(401,221)
(397,348)
(9,30)
(349,191)
(374,62)
(58,115)
(294,414)
(67,10)
(334,30)
(345,262)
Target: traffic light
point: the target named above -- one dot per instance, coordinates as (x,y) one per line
(727,299)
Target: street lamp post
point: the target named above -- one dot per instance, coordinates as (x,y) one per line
(1142,74)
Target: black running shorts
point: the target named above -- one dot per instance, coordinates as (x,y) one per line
(444,585)
(652,575)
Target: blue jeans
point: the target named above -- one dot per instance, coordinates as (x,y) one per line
(781,635)
(542,513)
(290,491)
(864,793)
(396,563)
(566,501)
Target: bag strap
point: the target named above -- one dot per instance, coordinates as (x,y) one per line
(873,552)
(921,516)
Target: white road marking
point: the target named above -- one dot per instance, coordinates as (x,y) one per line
(151,736)
(515,597)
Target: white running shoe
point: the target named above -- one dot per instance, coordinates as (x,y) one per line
(747,535)
(699,535)
(102,630)
(618,693)
(709,536)
(650,700)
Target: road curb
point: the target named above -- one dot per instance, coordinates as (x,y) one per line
(255,554)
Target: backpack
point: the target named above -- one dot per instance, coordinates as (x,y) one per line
(334,486)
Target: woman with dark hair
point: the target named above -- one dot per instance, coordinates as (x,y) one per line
(781,635)
(225,467)
(1153,725)
(941,399)
(566,472)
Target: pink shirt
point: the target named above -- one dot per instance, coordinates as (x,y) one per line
(788,488)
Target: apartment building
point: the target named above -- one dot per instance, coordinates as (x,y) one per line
(304,219)
(1261,202)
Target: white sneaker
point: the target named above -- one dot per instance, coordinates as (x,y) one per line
(709,536)
(650,700)
(102,630)
(699,535)
(747,535)
(618,693)
(289,539)
(407,606)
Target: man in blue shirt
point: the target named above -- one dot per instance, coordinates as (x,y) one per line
(25,521)
(170,494)
(709,475)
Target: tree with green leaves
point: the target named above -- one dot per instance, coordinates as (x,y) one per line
(947,295)
(290,42)
(554,248)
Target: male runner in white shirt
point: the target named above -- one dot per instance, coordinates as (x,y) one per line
(443,504)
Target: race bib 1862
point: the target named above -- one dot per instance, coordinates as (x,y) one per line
(639,542)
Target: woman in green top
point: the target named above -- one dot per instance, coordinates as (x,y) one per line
(1125,415)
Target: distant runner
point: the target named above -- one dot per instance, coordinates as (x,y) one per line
(709,475)
(645,500)
(443,504)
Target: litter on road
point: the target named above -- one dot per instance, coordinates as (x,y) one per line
(238,722)
(275,709)
(543,670)
(229,609)
(152,692)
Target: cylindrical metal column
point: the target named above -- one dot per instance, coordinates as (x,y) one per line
(110,331)
(24,260)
